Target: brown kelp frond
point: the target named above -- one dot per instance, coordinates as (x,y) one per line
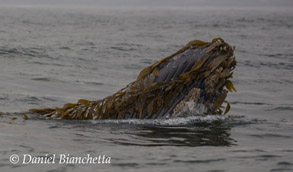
(201,80)
(42,111)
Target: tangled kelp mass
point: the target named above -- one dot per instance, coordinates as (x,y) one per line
(190,81)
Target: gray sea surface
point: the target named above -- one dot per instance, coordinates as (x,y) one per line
(52,56)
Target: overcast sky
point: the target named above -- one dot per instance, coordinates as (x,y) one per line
(169,3)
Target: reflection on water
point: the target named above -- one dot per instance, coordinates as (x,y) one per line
(203,133)
(193,131)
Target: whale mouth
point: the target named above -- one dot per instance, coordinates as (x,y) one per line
(191,81)
(210,82)
(195,78)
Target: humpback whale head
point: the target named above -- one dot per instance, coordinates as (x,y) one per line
(194,80)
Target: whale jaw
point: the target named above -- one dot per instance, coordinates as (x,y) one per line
(213,83)
(201,85)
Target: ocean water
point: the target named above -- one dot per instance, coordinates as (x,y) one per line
(52,56)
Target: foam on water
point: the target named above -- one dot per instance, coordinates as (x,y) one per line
(182,121)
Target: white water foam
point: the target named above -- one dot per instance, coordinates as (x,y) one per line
(165,122)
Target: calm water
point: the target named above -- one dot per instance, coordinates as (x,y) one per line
(51,56)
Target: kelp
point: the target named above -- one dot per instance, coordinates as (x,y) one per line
(150,96)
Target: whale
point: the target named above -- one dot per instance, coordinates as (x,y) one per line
(194,80)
